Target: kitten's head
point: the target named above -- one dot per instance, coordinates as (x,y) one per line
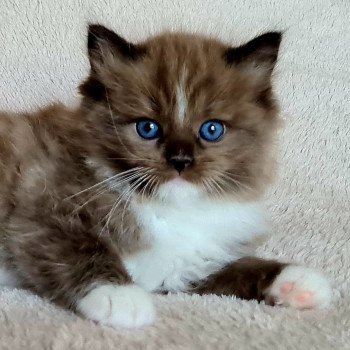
(182,111)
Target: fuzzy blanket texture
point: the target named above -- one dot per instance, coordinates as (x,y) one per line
(42,59)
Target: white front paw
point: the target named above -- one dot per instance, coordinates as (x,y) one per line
(300,287)
(126,306)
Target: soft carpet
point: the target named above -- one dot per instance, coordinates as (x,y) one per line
(42,59)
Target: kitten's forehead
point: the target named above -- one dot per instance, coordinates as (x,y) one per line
(181,98)
(182,57)
(184,70)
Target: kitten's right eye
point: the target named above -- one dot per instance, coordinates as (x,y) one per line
(148,129)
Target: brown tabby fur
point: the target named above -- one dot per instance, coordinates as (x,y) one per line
(56,241)
(145,87)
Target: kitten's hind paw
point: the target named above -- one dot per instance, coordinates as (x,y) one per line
(127,306)
(300,287)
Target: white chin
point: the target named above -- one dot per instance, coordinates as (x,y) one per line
(178,190)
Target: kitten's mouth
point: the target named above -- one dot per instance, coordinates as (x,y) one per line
(178,190)
(178,181)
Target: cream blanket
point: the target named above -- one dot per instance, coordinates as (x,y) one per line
(42,59)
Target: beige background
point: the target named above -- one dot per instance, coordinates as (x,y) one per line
(42,59)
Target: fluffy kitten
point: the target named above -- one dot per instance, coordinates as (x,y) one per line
(151,185)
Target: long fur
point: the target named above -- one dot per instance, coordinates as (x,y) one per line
(88,208)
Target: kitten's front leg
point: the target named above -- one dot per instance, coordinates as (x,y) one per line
(272,281)
(78,270)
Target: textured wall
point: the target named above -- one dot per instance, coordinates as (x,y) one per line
(42,41)
(42,59)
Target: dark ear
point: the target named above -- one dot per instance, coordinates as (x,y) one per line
(102,41)
(260,53)
(105,47)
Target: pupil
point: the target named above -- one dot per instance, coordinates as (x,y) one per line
(148,127)
(212,129)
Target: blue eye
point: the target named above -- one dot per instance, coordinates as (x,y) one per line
(148,129)
(212,130)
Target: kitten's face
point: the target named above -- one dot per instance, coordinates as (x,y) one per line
(183,109)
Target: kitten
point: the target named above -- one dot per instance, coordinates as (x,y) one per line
(151,185)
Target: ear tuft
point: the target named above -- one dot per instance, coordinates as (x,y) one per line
(102,40)
(261,52)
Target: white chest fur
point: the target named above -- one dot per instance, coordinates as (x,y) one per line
(190,237)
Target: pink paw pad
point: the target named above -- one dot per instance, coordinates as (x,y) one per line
(287,287)
(293,295)
(299,287)
(305,300)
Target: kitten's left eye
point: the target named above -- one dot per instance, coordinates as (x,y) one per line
(212,130)
(148,129)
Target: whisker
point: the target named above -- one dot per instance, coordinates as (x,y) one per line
(229,180)
(216,186)
(225,174)
(101,192)
(129,178)
(107,217)
(155,188)
(206,186)
(150,184)
(235,175)
(132,191)
(211,188)
(115,205)
(111,178)
(145,187)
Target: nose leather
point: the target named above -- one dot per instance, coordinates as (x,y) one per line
(180,162)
